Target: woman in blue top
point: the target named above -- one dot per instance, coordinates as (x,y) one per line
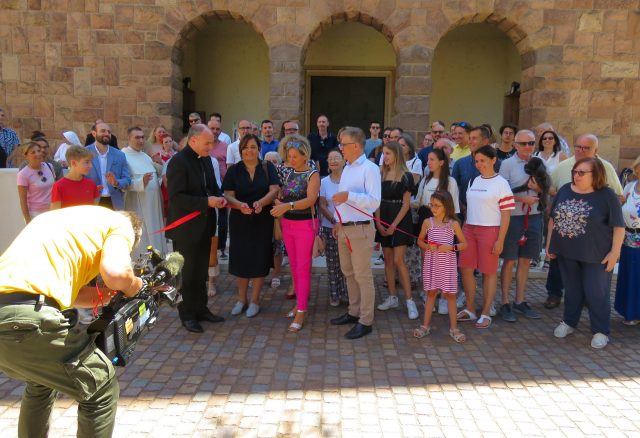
(586,231)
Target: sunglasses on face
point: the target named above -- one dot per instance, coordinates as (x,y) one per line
(375,127)
(41,174)
(438,132)
(386,136)
(194,120)
(580,172)
(526,143)
(581,148)
(547,138)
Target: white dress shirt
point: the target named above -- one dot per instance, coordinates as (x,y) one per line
(233,153)
(363,182)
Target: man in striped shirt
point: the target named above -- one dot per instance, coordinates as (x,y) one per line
(8,140)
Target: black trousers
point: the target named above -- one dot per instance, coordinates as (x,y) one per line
(194,277)
(223,226)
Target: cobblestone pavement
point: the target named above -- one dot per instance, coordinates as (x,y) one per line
(249,377)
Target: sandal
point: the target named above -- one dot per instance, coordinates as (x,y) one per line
(295,327)
(421,332)
(631,322)
(291,313)
(483,322)
(466,315)
(275,282)
(457,336)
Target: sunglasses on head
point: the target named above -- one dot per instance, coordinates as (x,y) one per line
(462,125)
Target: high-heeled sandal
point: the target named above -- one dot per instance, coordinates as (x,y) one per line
(291,313)
(295,327)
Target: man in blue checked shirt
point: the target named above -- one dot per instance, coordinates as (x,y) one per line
(8,140)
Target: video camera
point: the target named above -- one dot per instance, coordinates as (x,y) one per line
(122,322)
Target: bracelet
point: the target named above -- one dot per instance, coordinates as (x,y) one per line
(291,204)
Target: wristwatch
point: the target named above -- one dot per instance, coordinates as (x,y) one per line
(291,205)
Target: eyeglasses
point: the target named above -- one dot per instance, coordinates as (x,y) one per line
(431,205)
(342,145)
(194,120)
(386,136)
(580,172)
(41,174)
(581,148)
(139,137)
(547,138)
(437,132)
(375,127)
(526,143)
(244,128)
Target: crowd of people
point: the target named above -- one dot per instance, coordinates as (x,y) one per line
(466,202)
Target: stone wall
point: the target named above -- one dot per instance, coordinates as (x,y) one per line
(65,63)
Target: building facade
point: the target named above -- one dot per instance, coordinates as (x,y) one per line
(65,63)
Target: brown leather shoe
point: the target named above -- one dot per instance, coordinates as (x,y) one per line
(552,302)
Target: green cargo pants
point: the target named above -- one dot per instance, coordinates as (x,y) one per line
(44,349)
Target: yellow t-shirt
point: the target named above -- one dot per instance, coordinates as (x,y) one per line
(59,251)
(459,152)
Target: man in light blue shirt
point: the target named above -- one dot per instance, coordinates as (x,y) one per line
(358,197)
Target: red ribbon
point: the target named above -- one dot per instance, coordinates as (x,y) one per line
(178,222)
(383,223)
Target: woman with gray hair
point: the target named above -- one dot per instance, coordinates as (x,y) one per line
(296,207)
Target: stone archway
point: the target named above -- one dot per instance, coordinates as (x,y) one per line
(474,67)
(349,69)
(227,62)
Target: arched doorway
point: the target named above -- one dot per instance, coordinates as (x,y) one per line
(225,68)
(473,69)
(349,73)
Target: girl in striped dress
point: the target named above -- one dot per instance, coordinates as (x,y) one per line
(439,272)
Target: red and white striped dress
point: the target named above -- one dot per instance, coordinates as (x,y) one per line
(440,269)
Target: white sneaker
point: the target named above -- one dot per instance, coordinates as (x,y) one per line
(379,261)
(563,330)
(492,309)
(252,310)
(390,303)
(461,301)
(412,310)
(238,308)
(599,340)
(423,296)
(443,307)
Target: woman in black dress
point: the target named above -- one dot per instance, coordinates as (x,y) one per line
(397,187)
(249,187)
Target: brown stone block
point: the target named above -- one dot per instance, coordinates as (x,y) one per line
(72,61)
(108,36)
(158,94)
(285,52)
(175,19)
(79,20)
(43,106)
(53,55)
(578,103)
(112,71)
(27,73)
(604,46)
(147,17)
(86,42)
(150,67)
(58,88)
(82,81)
(34,60)
(590,21)
(12,100)
(30,19)
(611,4)
(100,90)
(614,69)
(69,49)
(128,106)
(415,54)
(550,98)
(19,40)
(133,37)
(11,17)
(88,115)
(621,46)
(101,21)
(578,53)
(563,34)
(124,14)
(296,35)
(29,87)
(157,50)
(57,28)
(60,74)
(398,20)
(412,85)
(411,121)
(153,109)
(20,111)
(412,104)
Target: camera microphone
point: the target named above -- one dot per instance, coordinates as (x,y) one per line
(168,268)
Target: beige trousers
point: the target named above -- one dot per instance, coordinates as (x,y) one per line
(356,267)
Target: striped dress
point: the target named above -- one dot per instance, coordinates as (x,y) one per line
(440,269)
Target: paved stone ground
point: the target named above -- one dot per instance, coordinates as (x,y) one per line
(251,378)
